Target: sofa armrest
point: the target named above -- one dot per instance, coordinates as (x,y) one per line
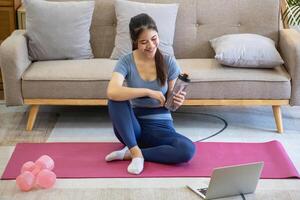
(14,61)
(289,45)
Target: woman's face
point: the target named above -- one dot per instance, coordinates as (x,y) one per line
(148,42)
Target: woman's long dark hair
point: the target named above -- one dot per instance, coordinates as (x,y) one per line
(137,25)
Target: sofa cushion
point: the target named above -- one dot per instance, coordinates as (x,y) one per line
(88,79)
(246,50)
(58,30)
(164,16)
(68,70)
(210,70)
(211,80)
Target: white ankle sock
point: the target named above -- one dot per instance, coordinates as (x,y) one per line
(116,155)
(136,166)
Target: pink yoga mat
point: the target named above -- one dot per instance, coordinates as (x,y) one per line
(86,160)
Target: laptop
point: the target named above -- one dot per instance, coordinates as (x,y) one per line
(231,181)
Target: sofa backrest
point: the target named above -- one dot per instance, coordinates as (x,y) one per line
(197,22)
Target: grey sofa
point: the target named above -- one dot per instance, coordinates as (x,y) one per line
(84,82)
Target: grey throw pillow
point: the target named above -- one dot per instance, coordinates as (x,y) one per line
(58,30)
(246,50)
(164,16)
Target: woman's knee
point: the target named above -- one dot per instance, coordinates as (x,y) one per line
(117,103)
(117,106)
(187,150)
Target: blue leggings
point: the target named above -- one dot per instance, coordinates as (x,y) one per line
(157,139)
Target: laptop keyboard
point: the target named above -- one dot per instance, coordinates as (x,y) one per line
(202,190)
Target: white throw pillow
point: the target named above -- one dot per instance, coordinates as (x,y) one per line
(164,16)
(58,30)
(246,50)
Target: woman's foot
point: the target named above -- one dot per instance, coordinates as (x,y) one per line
(123,154)
(137,164)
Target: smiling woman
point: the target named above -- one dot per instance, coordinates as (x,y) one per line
(146,43)
(140,120)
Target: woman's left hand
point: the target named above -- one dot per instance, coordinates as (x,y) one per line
(179,98)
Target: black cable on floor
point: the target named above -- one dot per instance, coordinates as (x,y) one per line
(243,196)
(217,133)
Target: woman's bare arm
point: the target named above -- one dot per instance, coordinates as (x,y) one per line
(116,91)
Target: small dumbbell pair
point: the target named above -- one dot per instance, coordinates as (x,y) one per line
(37,173)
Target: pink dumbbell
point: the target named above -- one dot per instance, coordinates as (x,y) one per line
(44,162)
(25,181)
(28,166)
(38,173)
(45,179)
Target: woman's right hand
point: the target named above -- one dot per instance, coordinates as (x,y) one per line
(157,95)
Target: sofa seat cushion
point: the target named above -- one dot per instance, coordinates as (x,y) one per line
(88,79)
(70,70)
(212,80)
(211,70)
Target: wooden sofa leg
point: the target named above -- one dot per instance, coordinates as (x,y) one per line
(32,116)
(278,118)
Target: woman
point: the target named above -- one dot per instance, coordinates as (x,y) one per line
(144,125)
